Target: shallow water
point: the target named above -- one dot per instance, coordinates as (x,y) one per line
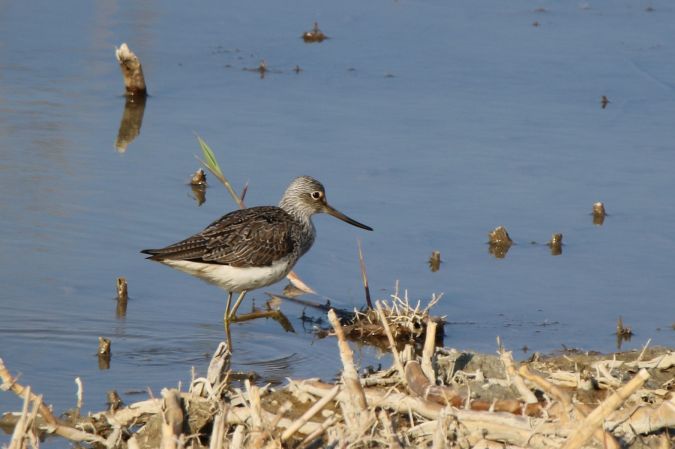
(433,122)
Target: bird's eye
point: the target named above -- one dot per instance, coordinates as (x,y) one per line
(317,195)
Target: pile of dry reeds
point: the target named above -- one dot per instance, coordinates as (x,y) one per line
(439,398)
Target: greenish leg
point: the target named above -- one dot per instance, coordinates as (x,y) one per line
(226,318)
(236,305)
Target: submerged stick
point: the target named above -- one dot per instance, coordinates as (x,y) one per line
(122,289)
(599,213)
(113,400)
(122,297)
(435,261)
(276,315)
(499,236)
(132,71)
(104,353)
(499,241)
(556,244)
(104,347)
(315,35)
(198,178)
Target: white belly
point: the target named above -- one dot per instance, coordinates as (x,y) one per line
(234,279)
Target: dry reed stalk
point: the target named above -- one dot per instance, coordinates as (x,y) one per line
(441,434)
(602,437)
(392,342)
(588,426)
(644,419)
(309,414)
(19,436)
(218,366)
(217,439)
(57,427)
(550,389)
(238,437)
(349,375)
(310,439)
(420,386)
(79,395)
(257,432)
(428,351)
(392,400)
(389,432)
(507,359)
(172,420)
(132,443)
(644,348)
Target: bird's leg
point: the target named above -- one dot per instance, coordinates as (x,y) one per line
(228,336)
(233,313)
(227,309)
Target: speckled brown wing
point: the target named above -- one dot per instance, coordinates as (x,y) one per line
(253,237)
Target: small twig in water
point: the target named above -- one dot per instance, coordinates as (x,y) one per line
(364,276)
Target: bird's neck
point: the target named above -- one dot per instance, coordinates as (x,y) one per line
(292,208)
(304,219)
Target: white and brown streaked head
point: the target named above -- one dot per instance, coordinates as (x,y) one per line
(306,196)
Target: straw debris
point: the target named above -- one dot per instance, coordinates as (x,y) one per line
(441,398)
(405,320)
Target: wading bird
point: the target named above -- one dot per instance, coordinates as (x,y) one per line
(254,247)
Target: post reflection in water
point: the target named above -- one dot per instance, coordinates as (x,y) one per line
(130,125)
(198,194)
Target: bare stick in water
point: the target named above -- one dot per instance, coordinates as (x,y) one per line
(132,71)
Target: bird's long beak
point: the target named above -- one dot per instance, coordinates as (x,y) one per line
(337,214)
